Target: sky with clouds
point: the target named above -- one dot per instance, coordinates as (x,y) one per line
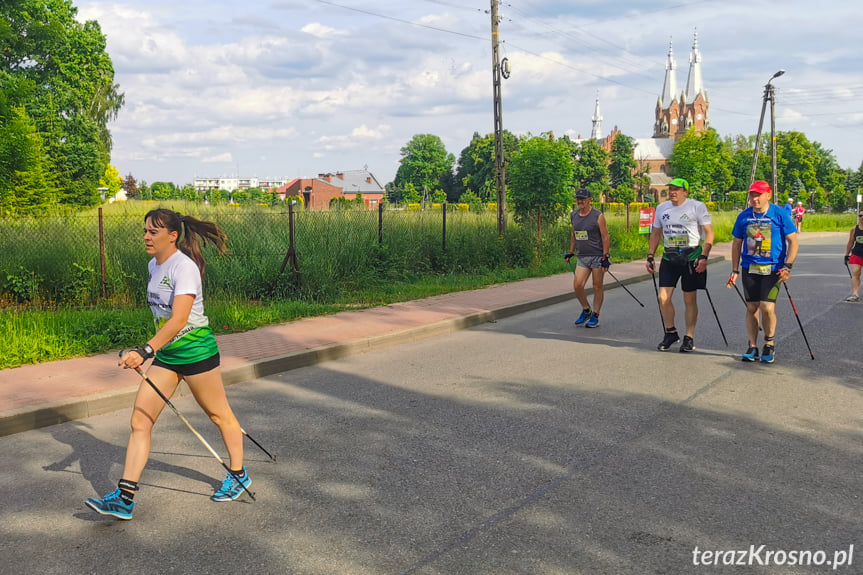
(293,88)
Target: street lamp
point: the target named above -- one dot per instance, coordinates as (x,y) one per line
(769,94)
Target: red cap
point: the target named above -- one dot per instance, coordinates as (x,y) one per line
(760,186)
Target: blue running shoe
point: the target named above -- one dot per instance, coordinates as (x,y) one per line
(585,315)
(111,505)
(767,354)
(231,488)
(751,354)
(593,321)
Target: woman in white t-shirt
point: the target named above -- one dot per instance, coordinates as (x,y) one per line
(183,348)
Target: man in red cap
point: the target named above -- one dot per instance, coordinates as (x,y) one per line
(765,247)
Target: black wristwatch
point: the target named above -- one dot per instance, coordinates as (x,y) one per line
(145,351)
(789,266)
(701,257)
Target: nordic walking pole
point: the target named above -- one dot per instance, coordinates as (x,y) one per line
(261,447)
(189,425)
(624,287)
(794,307)
(569,261)
(709,299)
(656,289)
(850,275)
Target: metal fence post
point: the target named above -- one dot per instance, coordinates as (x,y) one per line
(102,254)
(291,256)
(380,223)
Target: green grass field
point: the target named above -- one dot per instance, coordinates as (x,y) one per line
(51,306)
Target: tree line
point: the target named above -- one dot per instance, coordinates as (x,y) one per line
(543,171)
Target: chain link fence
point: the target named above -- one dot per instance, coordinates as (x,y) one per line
(89,258)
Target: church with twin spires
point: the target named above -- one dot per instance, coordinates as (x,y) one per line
(676,111)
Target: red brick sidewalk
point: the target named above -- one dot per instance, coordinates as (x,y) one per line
(36,396)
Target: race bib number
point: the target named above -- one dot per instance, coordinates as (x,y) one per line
(581,235)
(677,241)
(761,269)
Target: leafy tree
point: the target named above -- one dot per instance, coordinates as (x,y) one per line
(796,158)
(424,163)
(112,180)
(188,193)
(623,194)
(410,195)
(541,177)
(438,197)
(476,165)
(704,161)
(62,75)
(163,190)
(131,187)
(473,200)
(26,182)
(590,165)
(622,162)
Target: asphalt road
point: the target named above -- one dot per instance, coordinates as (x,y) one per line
(524,446)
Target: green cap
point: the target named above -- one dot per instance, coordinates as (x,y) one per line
(679,183)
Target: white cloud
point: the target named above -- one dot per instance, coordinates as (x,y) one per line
(320,31)
(316,88)
(224,158)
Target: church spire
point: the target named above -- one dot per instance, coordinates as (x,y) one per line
(669,87)
(596,131)
(694,84)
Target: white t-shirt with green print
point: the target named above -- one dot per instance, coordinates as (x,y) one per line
(179,275)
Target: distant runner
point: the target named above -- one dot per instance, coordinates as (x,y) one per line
(854,258)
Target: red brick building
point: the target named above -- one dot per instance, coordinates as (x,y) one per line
(317,193)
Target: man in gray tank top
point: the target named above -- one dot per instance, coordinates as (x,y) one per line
(590,244)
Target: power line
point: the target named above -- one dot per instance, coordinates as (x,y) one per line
(393,18)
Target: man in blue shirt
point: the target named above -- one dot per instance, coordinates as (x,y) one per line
(765,247)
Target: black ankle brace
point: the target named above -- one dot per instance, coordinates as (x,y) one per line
(126,485)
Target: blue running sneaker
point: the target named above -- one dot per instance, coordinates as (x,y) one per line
(231,488)
(751,354)
(111,505)
(585,315)
(767,354)
(593,321)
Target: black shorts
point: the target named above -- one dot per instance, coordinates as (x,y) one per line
(669,273)
(202,366)
(759,288)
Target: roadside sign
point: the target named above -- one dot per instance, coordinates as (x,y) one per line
(645,220)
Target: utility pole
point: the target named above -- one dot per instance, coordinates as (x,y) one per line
(773,139)
(769,94)
(499,167)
